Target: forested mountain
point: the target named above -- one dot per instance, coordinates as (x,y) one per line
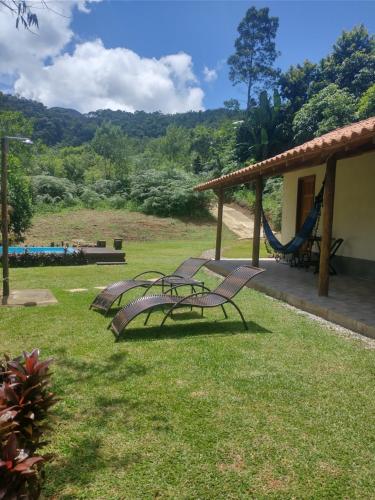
(71,128)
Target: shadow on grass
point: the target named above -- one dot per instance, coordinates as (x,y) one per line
(84,461)
(201,328)
(114,368)
(86,453)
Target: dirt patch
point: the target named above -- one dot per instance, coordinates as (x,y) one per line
(269,483)
(237,464)
(244,210)
(237,220)
(199,394)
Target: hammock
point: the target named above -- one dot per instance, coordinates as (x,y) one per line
(303,234)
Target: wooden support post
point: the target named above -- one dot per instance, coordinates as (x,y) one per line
(219,228)
(257,220)
(325,248)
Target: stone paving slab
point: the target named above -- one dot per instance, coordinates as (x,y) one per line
(351,301)
(28,298)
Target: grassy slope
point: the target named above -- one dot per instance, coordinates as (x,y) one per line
(93,225)
(199,409)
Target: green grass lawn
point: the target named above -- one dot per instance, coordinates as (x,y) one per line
(241,249)
(200,408)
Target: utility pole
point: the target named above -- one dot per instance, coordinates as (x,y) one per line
(4,215)
(4,209)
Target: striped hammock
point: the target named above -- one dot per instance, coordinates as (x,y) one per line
(303,234)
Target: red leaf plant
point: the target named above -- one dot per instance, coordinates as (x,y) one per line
(25,400)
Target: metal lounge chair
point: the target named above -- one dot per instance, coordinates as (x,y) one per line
(182,275)
(222,295)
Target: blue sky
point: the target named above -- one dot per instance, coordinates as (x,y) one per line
(165,51)
(207,29)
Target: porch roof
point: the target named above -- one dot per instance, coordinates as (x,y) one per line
(350,140)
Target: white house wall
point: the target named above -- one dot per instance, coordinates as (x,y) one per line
(354,210)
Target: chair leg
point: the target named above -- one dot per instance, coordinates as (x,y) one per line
(224,311)
(240,313)
(168,313)
(192,291)
(147,317)
(243,319)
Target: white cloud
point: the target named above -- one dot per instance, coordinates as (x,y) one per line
(92,76)
(21,49)
(209,75)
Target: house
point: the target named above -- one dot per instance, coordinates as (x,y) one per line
(353,210)
(345,159)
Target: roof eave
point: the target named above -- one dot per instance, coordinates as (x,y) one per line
(285,164)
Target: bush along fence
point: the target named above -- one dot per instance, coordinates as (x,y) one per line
(25,401)
(28,259)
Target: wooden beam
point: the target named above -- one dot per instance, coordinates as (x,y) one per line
(219,227)
(257,220)
(325,248)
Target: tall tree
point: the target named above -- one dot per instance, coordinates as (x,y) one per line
(296,82)
(330,108)
(252,63)
(351,65)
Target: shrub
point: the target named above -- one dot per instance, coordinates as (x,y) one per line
(168,193)
(107,187)
(90,199)
(117,201)
(245,198)
(47,259)
(54,187)
(25,401)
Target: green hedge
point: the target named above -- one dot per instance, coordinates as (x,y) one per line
(47,259)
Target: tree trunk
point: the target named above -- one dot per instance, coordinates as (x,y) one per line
(249,87)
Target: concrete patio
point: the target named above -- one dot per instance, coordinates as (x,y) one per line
(351,301)
(28,298)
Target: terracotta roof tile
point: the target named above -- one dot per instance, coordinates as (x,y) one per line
(332,142)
